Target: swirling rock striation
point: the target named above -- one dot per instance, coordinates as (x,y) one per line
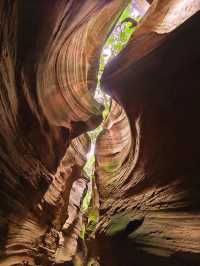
(147,156)
(155,79)
(49,56)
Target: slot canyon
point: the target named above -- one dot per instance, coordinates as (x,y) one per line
(141,205)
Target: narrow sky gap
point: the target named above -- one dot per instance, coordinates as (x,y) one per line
(114,44)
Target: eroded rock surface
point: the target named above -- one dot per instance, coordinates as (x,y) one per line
(147,156)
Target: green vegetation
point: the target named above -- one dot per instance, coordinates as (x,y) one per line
(121,33)
(118,39)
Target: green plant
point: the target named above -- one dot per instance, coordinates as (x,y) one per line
(117,40)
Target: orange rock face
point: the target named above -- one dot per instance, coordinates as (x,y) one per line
(147,156)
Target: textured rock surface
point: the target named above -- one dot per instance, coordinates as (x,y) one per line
(158,88)
(147,156)
(48,72)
